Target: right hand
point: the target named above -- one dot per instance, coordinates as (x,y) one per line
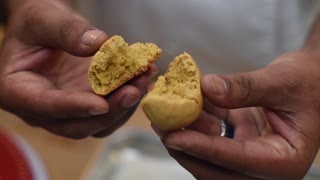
(275,115)
(43,73)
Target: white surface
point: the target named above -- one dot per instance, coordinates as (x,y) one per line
(136,166)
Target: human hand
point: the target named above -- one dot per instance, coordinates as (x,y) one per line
(43,73)
(275,115)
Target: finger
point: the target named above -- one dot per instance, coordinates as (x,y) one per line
(121,114)
(159,132)
(144,80)
(150,87)
(152,71)
(204,170)
(121,102)
(249,157)
(56,104)
(57,26)
(117,124)
(262,122)
(206,124)
(210,108)
(269,87)
(62,104)
(246,125)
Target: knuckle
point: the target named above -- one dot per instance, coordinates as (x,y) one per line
(31,16)
(244,86)
(290,84)
(71,31)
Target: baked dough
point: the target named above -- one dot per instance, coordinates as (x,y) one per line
(116,63)
(176,100)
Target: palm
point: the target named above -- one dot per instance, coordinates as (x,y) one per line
(253,130)
(257,143)
(48,87)
(45,74)
(59,71)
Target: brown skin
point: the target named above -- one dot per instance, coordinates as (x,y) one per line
(275,112)
(43,73)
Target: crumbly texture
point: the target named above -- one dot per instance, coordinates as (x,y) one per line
(176,99)
(116,63)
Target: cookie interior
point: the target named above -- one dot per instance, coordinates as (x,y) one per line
(176,99)
(116,62)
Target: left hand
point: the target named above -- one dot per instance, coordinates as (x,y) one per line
(275,115)
(43,72)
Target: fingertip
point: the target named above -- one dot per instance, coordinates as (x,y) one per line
(153,70)
(159,132)
(90,42)
(130,100)
(89,37)
(150,87)
(78,37)
(214,85)
(92,104)
(206,124)
(98,40)
(175,140)
(96,110)
(125,97)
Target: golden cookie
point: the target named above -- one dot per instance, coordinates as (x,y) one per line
(176,99)
(116,63)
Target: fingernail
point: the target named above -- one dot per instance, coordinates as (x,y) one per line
(97,111)
(171,146)
(154,72)
(217,84)
(129,101)
(89,37)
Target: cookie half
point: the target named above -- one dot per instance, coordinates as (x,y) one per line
(176,99)
(116,63)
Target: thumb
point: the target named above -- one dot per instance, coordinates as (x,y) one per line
(57,26)
(266,88)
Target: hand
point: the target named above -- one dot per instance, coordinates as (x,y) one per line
(43,73)
(275,113)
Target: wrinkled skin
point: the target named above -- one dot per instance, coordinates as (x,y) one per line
(275,113)
(43,73)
